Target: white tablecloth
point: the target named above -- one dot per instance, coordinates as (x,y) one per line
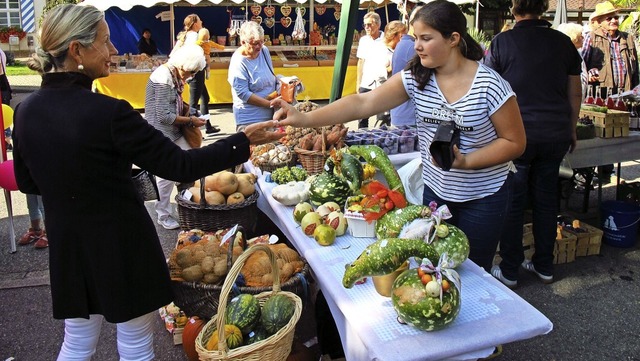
(491,314)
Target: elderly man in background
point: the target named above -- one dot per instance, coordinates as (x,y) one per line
(610,54)
(611,59)
(372,69)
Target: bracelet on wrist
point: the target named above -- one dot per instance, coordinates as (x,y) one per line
(191,121)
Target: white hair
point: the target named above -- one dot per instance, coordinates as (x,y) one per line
(189,57)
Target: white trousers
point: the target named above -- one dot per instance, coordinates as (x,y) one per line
(165,187)
(135,338)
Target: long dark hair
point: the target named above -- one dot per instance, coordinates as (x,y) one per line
(446,18)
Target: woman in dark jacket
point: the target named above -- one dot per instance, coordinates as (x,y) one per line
(76,149)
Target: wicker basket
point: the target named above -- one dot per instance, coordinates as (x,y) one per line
(206,217)
(276,347)
(312,160)
(199,299)
(290,161)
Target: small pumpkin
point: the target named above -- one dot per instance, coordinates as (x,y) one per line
(231,333)
(189,334)
(235,198)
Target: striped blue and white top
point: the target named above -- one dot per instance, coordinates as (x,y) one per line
(471,114)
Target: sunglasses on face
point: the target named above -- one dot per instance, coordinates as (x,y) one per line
(610,18)
(368,24)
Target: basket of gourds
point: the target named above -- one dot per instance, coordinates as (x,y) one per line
(277,311)
(268,157)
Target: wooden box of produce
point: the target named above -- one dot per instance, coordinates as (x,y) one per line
(612,124)
(564,250)
(588,237)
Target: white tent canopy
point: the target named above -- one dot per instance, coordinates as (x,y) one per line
(128,4)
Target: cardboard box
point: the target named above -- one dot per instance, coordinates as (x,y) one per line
(358,227)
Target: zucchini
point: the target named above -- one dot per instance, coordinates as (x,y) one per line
(375,156)
(390,225)
(385,256)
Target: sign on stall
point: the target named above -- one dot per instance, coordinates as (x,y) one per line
(164,16)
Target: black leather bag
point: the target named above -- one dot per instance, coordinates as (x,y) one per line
(145,183)
(447,135)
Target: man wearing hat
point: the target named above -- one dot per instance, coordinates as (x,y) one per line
(610,54)
(611,59)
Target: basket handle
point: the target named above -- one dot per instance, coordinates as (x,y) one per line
(229,282)
(203,202)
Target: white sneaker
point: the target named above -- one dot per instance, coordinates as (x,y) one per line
(497,273)
(167,222)
(528,265)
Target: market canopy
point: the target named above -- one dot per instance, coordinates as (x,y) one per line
(128,4)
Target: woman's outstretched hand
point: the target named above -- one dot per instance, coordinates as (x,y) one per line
(263,132)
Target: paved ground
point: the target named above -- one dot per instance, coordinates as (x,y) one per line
(593,303)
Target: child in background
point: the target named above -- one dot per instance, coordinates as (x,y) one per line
(36,232)
(206,44)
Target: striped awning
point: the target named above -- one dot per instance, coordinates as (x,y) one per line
(28,16)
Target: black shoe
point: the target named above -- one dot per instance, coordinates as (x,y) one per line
(212,130)
(9,147)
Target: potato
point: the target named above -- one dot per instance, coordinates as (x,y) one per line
(184,258)
(214,198)
(211,278)
(220,268)
(192,274)
(207,264)
(199,255)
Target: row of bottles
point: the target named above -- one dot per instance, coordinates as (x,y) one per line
(609,102)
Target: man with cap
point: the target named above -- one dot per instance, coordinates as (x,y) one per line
(610,54)
(611,59)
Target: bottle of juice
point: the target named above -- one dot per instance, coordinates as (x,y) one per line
(599,101)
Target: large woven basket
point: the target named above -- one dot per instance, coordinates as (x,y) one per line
(276,347)
(206,217)
(312,160)
(199,299)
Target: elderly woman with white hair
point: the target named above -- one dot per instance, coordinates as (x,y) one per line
(167,112)
(575,33)
(251,77)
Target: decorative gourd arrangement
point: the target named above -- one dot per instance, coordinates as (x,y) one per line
(224,188)
(247,322)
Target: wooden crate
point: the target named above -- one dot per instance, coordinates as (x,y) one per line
(564,250)
(613,124)
(587,243)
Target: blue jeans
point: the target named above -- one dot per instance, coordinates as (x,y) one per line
(35,207)
(536,183)
(198,93)
(480,219)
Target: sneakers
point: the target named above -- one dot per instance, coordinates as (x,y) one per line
(167,222)
(528,266)
(497,273)
(42,242)
(31,236)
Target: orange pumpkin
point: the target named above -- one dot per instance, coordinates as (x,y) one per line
(189,334)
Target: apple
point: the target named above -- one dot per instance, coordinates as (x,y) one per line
(309,223)
(300,210)
(337,221)
(324,234)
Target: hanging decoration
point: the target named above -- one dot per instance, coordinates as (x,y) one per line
(256,9)
(257,19)
(269,11)
(302,10)
(298,29)
(285,10)
(337,8)
(285,21)
(320,9)
(269,22)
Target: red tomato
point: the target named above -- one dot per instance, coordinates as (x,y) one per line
(389,205)
(382,193)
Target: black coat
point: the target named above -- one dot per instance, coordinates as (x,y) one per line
(76,148)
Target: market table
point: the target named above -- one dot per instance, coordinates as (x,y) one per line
(491,314)
(131,85)
(602,151)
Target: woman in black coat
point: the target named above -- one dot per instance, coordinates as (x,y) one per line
(76,148)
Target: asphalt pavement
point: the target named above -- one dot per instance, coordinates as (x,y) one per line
(594,303)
